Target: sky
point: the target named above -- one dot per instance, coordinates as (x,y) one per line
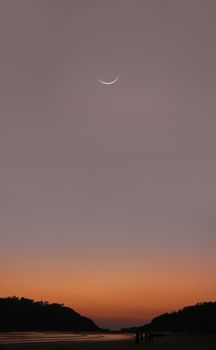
(108,192)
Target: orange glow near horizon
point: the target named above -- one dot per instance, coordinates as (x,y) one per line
(112,292)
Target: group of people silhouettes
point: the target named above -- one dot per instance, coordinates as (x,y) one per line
(146,337)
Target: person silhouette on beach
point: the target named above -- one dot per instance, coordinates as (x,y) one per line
(137,339)
(151,337)
(148,338)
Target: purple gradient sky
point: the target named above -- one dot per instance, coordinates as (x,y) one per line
(107,173)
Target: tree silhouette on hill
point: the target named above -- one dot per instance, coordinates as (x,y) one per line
(22,314)
(197,318)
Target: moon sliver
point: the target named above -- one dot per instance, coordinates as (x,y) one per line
(109,82)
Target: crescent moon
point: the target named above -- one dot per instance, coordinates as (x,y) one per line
(109,82)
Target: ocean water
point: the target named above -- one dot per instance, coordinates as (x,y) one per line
(54,337)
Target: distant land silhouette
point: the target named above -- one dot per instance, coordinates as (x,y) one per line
(200,318)
(22,314)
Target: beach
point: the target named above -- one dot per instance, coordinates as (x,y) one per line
(168,342)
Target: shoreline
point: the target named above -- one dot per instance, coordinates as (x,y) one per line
(168,342)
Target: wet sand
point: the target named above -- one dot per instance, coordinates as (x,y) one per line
(174,342)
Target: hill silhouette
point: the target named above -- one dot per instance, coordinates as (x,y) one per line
(22,314)
(196,318)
